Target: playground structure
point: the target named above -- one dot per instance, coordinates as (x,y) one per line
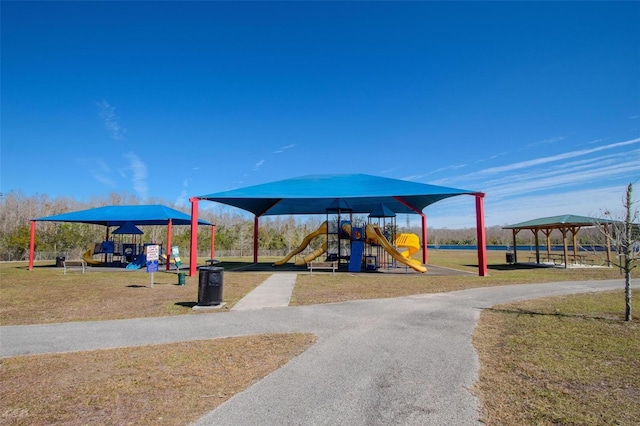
(112,251)
(124,249)
(357,246)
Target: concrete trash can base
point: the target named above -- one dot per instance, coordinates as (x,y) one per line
(210,285)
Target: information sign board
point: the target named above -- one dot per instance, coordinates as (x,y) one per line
(153,252)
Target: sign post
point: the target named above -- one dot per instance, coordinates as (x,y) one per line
(175,251)
(153,254)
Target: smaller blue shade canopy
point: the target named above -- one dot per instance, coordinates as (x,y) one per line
(119,215)
(382,211)
(314,194)
(128,228)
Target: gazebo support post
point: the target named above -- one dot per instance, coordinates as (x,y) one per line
(515,246)
(167,250)
(256,223)
(193,256)
(482,235)
(535,238)
(574,233)
(565,246)
(32,244)
(547,232)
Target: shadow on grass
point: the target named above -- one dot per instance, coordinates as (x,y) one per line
(513,267)
(612,318)
(186,304)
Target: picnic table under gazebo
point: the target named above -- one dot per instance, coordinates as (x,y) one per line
(566,224)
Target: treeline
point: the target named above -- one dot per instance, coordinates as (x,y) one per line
(234,230)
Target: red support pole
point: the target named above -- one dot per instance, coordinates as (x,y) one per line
(167,250)
(193,256)
(213,242)
(255,239)
(32,244)
(482,236)
(425,255)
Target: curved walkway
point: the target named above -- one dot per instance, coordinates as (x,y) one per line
(406,360)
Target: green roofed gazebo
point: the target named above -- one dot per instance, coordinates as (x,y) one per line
(314,194)
(565,224)
(136,215)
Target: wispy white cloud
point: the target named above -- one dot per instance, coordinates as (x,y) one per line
(459,212)
(558,181)
(421,176)
(490,173)
(258,164)
(414,178)
(577,182)
(184,195)
(182,198)
(100,171)
(283,148)
(548,141)
(139,174)
(553,158)
(581,172)
(108,114)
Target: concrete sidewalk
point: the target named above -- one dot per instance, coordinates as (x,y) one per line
(406,360)
(274,292)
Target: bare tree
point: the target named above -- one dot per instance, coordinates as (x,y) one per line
(624,235)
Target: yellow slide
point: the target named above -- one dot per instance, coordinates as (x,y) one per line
(309,258)
(409,241)
(375,234)
(322,229)
(88,257)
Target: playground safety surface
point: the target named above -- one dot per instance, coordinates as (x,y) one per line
(290,267)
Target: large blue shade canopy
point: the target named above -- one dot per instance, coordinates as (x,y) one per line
(119,215)
(314,194)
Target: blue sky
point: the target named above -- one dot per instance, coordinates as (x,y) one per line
(535,104)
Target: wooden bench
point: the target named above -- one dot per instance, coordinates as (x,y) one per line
(323,266)
(74,265)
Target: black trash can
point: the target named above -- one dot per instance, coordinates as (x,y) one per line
(510,258)
(60,261)
(210,284)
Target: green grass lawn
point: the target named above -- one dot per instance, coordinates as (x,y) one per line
(567,360)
